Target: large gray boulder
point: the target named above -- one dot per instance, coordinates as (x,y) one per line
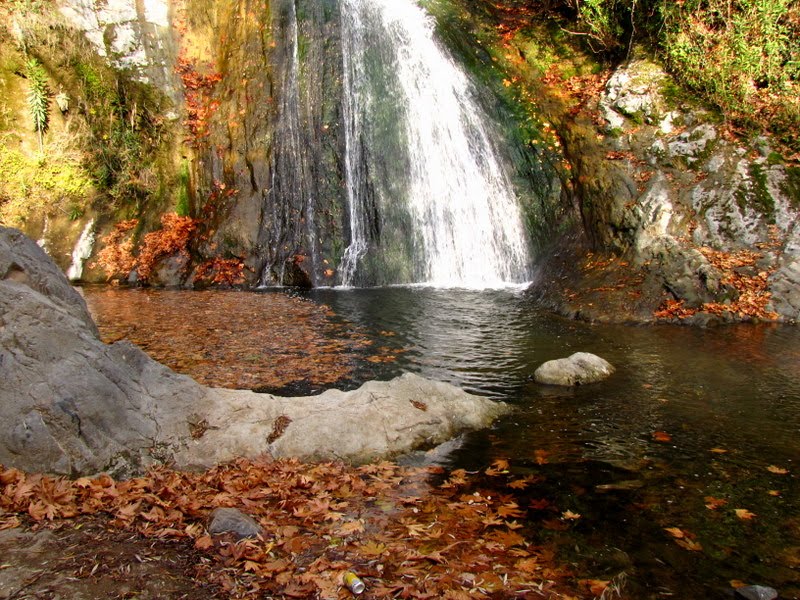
(71,404)
(579,369)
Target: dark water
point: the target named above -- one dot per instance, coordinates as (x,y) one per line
(733,389)
(724,403)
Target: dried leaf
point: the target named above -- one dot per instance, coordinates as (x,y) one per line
(777,470)
(744,514)
(662,436)
(675,532)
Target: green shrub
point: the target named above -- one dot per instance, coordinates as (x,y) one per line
(38,98)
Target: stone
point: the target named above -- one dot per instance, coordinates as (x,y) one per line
(634,91)
(755,592)
(231,520)
(73,405)
(579,369)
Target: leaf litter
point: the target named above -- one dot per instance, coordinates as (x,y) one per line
(403,534)
(275,341)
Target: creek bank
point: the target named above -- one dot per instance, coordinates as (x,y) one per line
(682,220)
(74,405)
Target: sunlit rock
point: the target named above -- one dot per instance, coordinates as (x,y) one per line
(72,404)
(579,369)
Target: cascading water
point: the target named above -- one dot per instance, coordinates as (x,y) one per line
(429,201)
(82,252)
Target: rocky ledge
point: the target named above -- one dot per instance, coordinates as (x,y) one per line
(71,404)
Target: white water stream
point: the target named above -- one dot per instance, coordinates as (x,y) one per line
(466,221)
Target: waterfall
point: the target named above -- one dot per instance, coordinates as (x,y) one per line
(429,199)
(81,252)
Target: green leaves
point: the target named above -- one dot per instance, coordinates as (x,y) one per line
(38,98)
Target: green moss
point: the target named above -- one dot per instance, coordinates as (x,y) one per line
(182,208)
(791,186)
(756,195)
(32,185)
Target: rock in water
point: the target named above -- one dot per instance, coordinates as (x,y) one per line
(755,592)
(71,404)
(231,520)
(579,369)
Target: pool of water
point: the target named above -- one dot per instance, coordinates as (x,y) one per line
(697,432)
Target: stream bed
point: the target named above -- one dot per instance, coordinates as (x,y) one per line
(675,478)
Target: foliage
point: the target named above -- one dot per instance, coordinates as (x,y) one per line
(116,256)
(741,55)
(32,185)
(38,98)
(403,537)
(198,90)
(744,56)
(221,271)
(172,239)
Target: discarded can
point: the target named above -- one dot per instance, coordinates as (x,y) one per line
(354,583)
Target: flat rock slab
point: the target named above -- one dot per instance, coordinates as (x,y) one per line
(71,404)
(579,369)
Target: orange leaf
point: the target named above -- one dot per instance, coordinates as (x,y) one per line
(570,516)
(596,586)
(690,545)
(777,470)
(204,543)
(662,436)
(744,514)
(719,451)
(714,503)
(675,532)
(541,456)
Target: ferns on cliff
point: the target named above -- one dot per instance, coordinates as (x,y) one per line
(38,98)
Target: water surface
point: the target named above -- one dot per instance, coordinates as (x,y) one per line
(692,418)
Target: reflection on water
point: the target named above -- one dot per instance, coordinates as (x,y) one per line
(728,400)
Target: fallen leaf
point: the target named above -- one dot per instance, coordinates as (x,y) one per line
(204,543)
(596,586)
(373,548)
(719,451)
(541,456)
(690,545)
(774,493)
(744,514)
(570,516)
(777,470)
(714,503)
(675,532)
(662,436)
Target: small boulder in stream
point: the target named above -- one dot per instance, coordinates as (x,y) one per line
(755,592)
(579,369)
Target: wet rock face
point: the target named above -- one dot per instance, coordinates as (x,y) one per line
(71,404)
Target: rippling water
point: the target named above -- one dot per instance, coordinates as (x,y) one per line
(727,400)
